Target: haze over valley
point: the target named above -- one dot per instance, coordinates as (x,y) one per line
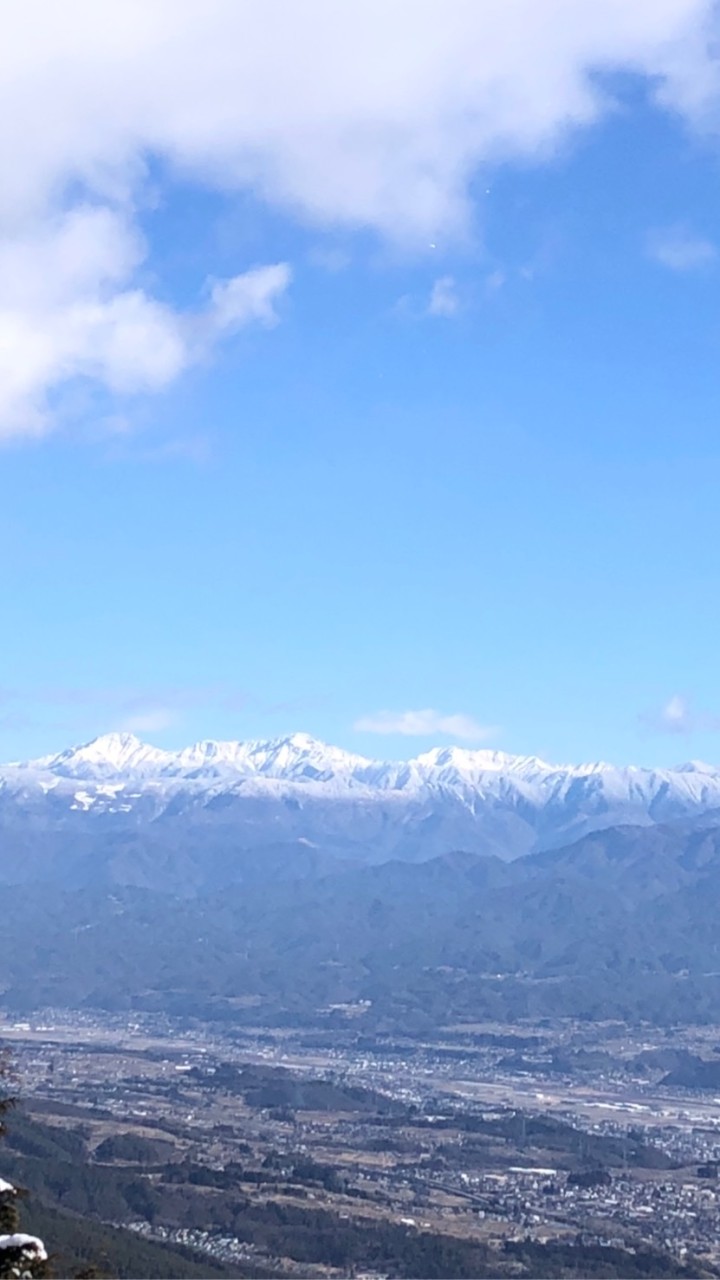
(295,877)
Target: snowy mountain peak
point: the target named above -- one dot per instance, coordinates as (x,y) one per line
(469,764)
(300,757)
(300,754)
(298,789)
(303,742)
(697,766)
(111,753)
(113,746)
(123,755)
(301,760)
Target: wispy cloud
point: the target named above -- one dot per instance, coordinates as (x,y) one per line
(495,280)
(678,716)
(681,250)
(153,709)
(245,298)
(16,722)
(193,449)
(444,298)
(329,258)
(149,720)
(426,723)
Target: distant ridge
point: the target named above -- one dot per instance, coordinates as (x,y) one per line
(121,811)
(299,754)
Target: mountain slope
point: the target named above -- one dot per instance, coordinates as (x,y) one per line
(582,932)
(116,811)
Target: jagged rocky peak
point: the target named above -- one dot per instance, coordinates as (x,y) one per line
(469,776)
(697,766)
(297,788)
(296,755)
(110,753)
(468,761)
(301,757)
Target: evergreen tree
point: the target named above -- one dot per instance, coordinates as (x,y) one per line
(21,1255)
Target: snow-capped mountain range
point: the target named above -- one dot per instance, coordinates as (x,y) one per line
(117,807)
(300,758)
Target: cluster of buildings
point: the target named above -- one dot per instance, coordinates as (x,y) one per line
(142,1073)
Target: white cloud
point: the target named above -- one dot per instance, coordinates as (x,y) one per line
(360,114)
(67,311)
(251,296)
(418,724)
(444,300)
(363,112)
(680,250)
(675,716)
(678,716)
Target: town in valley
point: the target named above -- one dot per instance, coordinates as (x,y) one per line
(325,1151)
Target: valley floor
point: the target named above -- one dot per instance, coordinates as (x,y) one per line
(553,1149)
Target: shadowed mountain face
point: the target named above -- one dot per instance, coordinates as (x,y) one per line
(118,812)
(623,923)
(279,879)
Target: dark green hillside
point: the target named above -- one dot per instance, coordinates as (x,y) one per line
(623,924)
(81,1243)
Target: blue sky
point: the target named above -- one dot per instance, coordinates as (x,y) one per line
(448,474)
